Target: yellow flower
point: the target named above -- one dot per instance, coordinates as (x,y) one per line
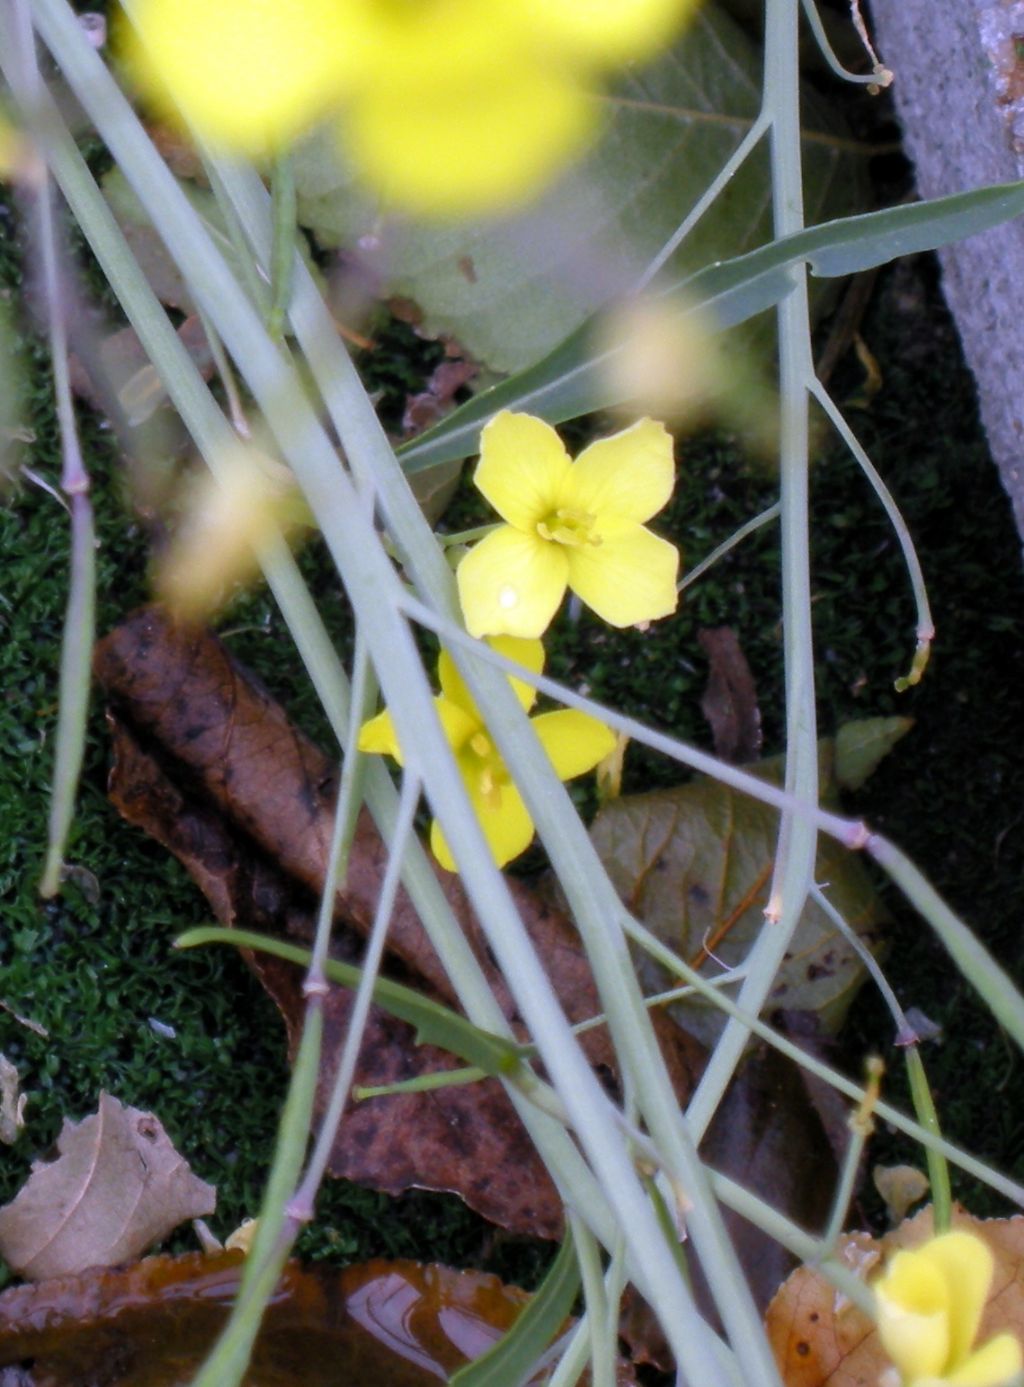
(930,1302)
(573,741)
(249,75)
(446,105)
(569,524)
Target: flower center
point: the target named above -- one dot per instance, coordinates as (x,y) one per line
(490,769)
(567,525)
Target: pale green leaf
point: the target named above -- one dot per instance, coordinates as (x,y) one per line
(689,860)
(575,379)
(861,745)
(510,292)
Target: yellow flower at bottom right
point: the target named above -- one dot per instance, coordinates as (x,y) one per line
(930,1302)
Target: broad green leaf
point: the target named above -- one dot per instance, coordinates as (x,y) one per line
(509,292)
(695,863)
(575,379)
(513,1357)
(435,1024)
(861,745)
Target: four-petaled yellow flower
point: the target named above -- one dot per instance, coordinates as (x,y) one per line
(569,524)
(930,1301)
(445,105)
(573,741)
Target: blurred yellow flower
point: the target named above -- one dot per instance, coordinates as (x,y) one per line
(573,741)
(249,75)
(446,106)
(569,524)
(930,1301)
(225,522)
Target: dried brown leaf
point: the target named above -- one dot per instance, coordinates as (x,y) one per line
(253,827)
(117,1186)
(730,699)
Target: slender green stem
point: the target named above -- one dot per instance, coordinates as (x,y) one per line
(228,1360)
(797,845)
(706,988)
(588,1255)
(803,1245)
(227,376)
(903,1028)
(282,185)
(925,630)
(254,283)
(423,1083)
(711,193)
(80,615)
(192,398)
(844,1189)
(467,536)
(570,849)
(514,1358)
(301,1206)
(938,1170)
(350,797)
(878,77)
(972,958)
(850,832)
(751,526)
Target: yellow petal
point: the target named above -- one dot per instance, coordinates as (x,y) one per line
(574,741)
(379,736)
(913,1316)
(247,74)
(413,46)
(508,828)
(608,30)
(511,584)
(455,149)
(458,722)
(995,1365)
(629,476)
(522,469)
(629,577)
(966,1263)
(525,652)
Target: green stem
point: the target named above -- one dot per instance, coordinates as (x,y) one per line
(751,527)
(192,398)
(844,1190)
(925,626)
(797,845)
(938,1170)
(228,1360)
(573,857)
(804,1246)
(850,832)
(972,958)
(285,211)
(80,615)
(875,78)
(660,952)
(711,193)
(302,1204)
(588,1256)
(899,1016)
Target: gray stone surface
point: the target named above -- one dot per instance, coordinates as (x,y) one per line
(959,92)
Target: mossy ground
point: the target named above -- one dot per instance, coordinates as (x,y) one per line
(95,968)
